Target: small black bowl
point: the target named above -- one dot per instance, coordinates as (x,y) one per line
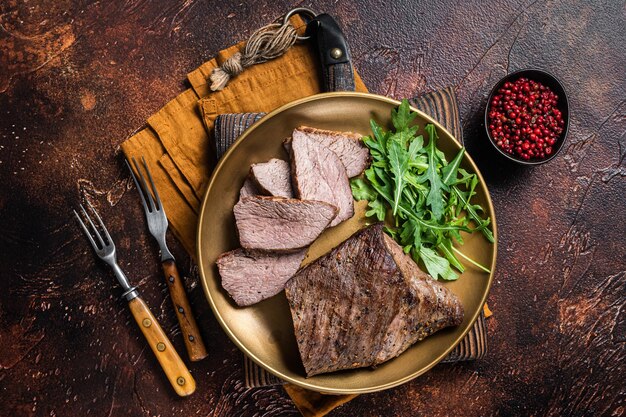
(549,81)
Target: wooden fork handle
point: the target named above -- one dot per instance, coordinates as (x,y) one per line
(173,366)
(188,326)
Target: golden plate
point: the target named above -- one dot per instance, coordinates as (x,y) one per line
(264,331)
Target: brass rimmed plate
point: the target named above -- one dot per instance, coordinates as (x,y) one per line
(264,331)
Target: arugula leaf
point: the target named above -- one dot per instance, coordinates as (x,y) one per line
(410,196)
(385,179)
(376,149)
(465,179)
(391,232)
(446,248)
(377,208)
(474,216)
(449,172)
(435,195)
(440,155)
(436,265)
(379,135)
(414,147)
(362,190)
(380,164)
(378,143)
(398,164)
(402,116)
(411,233)
(413,180)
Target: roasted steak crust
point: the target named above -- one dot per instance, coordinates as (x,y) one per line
(280,224)
(364,303)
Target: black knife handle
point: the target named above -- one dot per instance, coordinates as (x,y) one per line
(334,54)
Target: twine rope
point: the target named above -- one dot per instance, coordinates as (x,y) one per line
(266,43)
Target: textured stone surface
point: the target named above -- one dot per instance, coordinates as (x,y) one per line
(77,78)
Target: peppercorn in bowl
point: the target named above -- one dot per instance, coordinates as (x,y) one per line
(527,116)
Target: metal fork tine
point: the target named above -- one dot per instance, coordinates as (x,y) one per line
(104,229)
(93,226)
(82,225)
(143,199)
(144,185)
(157,199)
(151,202)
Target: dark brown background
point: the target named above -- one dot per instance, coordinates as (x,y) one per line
(77,78)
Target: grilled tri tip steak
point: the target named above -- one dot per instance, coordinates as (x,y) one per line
(365,302)
(318,174)
(280,224)
(253,276)
(346,145)
(273,177)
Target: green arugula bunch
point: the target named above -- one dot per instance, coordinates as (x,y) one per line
(429,197)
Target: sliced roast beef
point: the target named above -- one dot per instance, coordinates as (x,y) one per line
(281,224)
(248,189)
(346,145)
(364,303)
(273,177)
(253,276)
(319,174)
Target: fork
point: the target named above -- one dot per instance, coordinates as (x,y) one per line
(157,224)
(173,366)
